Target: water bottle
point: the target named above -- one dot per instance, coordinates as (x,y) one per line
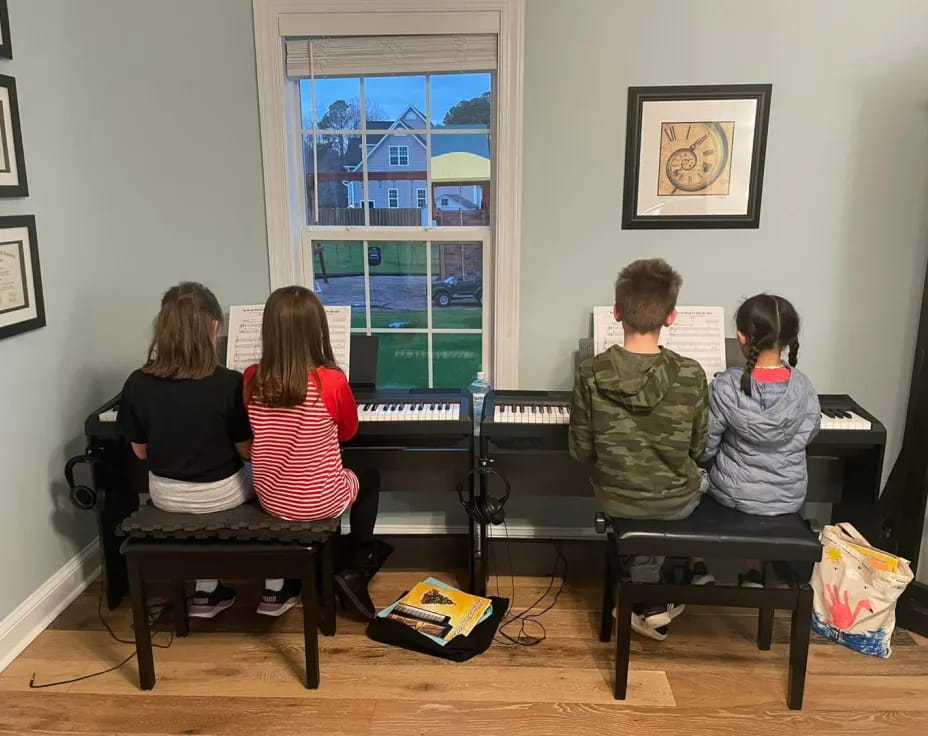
(478,391)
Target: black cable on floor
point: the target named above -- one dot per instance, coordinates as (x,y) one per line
(526,618)
(154,612)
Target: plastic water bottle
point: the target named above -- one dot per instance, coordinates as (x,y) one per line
(478,391)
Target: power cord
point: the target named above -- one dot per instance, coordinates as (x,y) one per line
(154,612)
(526,618)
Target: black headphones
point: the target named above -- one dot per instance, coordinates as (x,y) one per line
(83,497)
(484,509)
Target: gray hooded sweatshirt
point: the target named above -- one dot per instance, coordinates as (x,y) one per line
(758,442)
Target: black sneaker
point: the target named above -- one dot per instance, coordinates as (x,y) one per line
(208,605)
(700,575)
(278,602)
(751,579)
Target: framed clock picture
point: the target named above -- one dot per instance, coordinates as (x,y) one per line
(694,156)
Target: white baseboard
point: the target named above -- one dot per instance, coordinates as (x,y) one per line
(34,614)
(514,531)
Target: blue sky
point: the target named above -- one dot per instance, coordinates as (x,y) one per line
(394,94)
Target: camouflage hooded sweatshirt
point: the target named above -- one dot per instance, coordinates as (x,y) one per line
(641,421)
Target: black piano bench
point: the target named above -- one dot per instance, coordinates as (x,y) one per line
(715,531)
(241,543)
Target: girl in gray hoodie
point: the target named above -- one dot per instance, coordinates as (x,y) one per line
(761,419)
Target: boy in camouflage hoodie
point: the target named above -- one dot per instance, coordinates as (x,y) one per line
(640,416)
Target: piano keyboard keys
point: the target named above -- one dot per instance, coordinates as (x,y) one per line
(447,411)
(531,414)
(843,419)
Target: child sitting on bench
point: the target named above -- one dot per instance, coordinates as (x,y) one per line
(761,419)
(301,407)
(639,417)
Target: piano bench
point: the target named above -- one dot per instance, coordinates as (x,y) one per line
(715,531)
(244,542)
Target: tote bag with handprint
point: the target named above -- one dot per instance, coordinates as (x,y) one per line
(856,588)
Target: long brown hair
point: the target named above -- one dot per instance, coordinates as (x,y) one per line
(183,345)
(294,343)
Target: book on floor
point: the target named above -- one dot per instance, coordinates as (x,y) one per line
(439,611)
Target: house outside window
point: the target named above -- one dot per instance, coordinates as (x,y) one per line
(421,202)
(399,155)
(393,198)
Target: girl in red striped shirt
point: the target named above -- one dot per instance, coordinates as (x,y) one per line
(300,407)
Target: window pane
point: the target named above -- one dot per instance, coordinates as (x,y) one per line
(402,361)
(396,99)
(399,294)
(396,161)
(457,285)
(338,103)
(461,176)
(456,360)
(461,100)
(338,276)
(339,181)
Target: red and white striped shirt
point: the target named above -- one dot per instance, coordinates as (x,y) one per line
(296,460)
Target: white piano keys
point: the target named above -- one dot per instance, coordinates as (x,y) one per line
(531,414)
(852,422)
(409,411)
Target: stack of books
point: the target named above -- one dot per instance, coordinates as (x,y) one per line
(439,611)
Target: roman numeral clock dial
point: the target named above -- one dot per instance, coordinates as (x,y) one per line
(693,157)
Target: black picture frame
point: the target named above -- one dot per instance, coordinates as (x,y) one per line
(638,97)
(21,187)
(6,46)
(38,321)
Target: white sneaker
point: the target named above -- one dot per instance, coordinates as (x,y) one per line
(639,626)
(662,616)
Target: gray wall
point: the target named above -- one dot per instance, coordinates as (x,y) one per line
(844,232)
(140,128)
(142,146)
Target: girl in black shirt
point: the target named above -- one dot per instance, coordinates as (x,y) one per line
(184,414)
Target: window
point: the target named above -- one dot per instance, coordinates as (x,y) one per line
(399,155)
(396,107)
(444,201)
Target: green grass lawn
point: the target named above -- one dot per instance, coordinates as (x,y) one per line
(348,258)
(402,360)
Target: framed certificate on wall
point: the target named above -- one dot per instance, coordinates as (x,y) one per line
(12,163)
(22,304)
(694,156)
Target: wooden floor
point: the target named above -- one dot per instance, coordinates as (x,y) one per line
(242,674)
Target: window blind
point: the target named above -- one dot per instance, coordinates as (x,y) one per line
(355,56)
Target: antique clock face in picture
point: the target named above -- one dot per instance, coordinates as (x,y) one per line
(695,158)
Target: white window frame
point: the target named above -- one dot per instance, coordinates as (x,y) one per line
(401,153)
(393,195)
(279,113)
(422,198)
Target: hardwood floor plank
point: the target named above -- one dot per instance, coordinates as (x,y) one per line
(556,719)
(440,680)
(60,713)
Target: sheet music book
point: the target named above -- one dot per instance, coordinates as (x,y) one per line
(697,333)
(244,347)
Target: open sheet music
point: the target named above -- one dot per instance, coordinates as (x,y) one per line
(697,333)
(244,347)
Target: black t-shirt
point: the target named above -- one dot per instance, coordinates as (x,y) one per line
(190,426)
